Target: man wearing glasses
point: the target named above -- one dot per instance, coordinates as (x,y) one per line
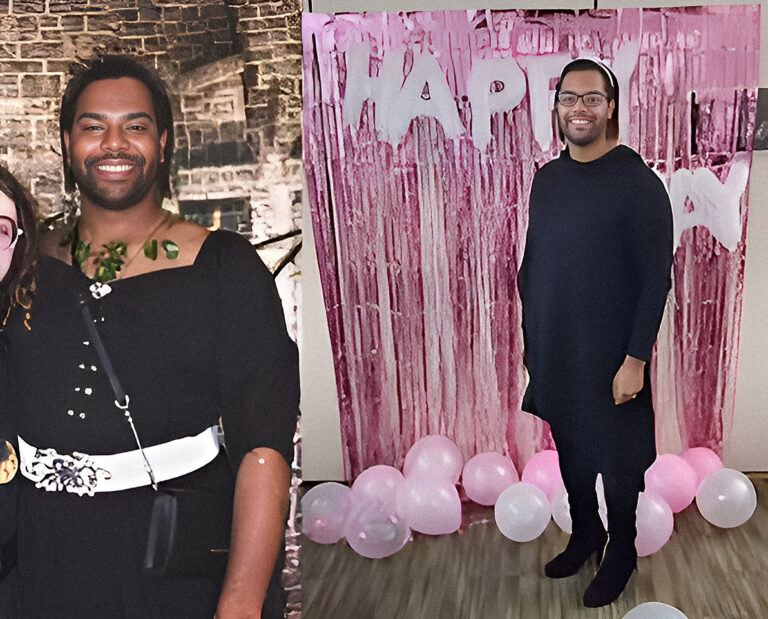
(593,284)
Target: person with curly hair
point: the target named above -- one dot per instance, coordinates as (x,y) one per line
(18,260)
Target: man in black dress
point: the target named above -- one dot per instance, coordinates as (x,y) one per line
(593,284)
(194,328)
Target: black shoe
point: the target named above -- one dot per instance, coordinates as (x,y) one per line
(576,554)
(612,577)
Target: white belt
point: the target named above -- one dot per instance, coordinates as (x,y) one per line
(81,473)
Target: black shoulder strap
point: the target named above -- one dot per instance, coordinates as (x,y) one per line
(121,398)
(93,333)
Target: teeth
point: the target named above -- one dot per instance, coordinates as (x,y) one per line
(114,168)
(579,121)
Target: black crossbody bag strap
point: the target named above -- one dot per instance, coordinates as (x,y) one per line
(121,398)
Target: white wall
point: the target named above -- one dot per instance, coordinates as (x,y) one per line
(746,447)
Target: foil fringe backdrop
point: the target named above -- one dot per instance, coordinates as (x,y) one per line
(419,234)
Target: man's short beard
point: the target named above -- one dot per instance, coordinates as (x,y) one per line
(584,140)
(89,188)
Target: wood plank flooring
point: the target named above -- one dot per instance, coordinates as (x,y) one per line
(706,572)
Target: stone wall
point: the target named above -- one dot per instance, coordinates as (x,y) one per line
(233,69)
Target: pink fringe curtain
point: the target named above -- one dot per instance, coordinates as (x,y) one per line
(422,133)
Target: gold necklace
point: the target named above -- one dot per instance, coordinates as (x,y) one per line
(124,267)
(110,262)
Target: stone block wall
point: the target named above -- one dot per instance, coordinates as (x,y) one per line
(232,67)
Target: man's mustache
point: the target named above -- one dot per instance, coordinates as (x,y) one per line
(137,159)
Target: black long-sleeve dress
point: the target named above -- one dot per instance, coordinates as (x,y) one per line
(188,344)
(593,284)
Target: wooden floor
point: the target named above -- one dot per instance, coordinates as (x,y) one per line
(706,572)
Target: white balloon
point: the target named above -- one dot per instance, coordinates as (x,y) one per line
(561,510)
(726,498)
(654,610)
(602,508)
(323,511)
(522,512)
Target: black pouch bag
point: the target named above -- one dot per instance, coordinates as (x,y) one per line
(189,532)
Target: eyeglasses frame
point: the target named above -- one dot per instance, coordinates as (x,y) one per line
(586,94)
(17,232)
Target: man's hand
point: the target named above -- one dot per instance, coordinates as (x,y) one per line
(628,380)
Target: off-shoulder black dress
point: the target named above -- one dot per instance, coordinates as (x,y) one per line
(188,344)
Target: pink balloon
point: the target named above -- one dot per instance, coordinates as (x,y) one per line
(673,479)
(543,471)
(373,529)
(323,511)
(655,523)
(703,461)
(435,456)
(486,475)
(430,505)
(378,482)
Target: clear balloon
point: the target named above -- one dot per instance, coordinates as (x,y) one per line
(703,461)
(655,523)
(435,456)
(486,475)
(373,529)
(654,610)
(726,498)
(378,482)
(522,512)
(543,471)
(429,505)
(323,512)
(561,510)
(673,479)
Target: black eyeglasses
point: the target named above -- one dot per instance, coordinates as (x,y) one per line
(9,233)
(590,99)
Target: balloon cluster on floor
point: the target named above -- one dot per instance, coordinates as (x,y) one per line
(383,506)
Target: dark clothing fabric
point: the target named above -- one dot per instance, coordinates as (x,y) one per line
(593,281)
(593,284)
(8,500)
(189,345)
(622,450)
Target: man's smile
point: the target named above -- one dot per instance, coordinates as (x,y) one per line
(115,168)
(580,121)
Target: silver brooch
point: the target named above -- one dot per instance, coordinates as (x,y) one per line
(56,472)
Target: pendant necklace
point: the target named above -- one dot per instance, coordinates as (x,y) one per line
(163,220)
(110,263)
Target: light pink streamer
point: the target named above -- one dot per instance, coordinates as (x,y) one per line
(419,242)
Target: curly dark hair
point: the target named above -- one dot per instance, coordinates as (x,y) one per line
(114,67)
(18,286)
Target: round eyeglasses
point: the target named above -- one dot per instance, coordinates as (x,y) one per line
(9,233)
(590,99)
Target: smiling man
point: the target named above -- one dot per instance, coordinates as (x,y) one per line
(593,284)
(194,330)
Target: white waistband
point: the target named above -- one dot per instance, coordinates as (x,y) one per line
(81,473)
